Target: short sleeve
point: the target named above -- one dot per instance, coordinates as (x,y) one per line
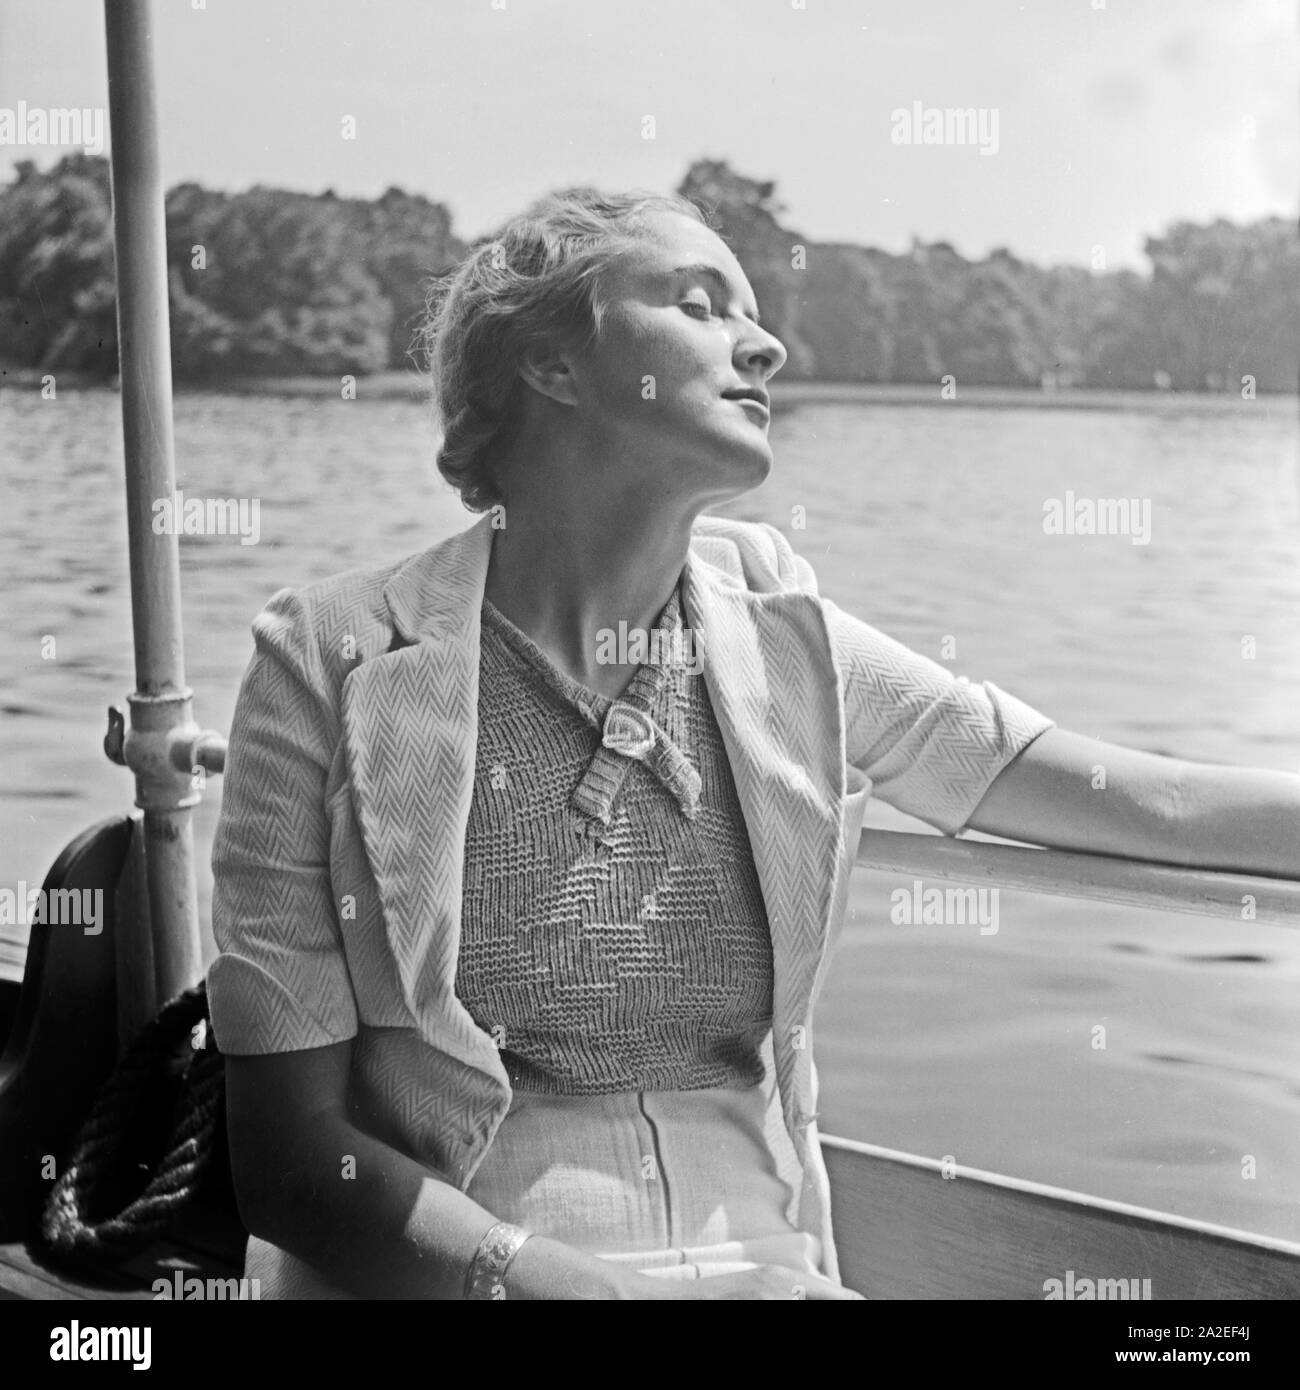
(930,741)
(281,981)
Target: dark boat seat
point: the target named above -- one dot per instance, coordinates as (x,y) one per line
(65,1014)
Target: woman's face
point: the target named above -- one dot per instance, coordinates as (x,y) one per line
(679,343)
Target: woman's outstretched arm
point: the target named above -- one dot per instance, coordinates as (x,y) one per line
(1072,792)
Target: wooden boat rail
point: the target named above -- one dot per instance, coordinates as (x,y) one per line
(915,1228)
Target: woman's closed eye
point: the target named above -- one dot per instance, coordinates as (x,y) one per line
(700,306)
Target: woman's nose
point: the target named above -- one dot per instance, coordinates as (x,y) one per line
(758,349)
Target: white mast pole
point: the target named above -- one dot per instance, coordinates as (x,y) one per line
(160,742)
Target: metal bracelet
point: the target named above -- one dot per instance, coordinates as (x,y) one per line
(487,1271)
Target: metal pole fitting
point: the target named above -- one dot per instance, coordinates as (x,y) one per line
(160,727)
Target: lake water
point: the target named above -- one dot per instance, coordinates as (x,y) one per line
(925,520)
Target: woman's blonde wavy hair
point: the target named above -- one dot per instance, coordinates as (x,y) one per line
(538,280)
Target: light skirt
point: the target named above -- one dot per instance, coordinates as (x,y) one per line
(674,1184)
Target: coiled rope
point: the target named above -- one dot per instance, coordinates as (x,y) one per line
(69,1228)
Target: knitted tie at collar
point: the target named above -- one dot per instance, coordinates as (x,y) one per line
(630,732)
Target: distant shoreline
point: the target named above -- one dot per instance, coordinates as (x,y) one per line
(406,385)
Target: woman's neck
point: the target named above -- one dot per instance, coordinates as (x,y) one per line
(563,573)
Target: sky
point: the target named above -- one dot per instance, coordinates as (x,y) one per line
(1103,121)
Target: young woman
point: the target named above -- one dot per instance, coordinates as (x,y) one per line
(534,845)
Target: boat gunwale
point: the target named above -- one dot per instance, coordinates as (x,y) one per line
(1100,1206)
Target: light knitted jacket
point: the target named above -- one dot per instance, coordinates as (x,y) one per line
(347,795)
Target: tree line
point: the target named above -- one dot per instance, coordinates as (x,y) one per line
(270,282)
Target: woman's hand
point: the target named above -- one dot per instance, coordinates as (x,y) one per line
(763,1282)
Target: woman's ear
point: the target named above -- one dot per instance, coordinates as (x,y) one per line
(548,370)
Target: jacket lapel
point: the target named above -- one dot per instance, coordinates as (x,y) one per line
(771,677)
(410,727)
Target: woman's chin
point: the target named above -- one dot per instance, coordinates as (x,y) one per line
(733,470)
(759,463)
(737,481)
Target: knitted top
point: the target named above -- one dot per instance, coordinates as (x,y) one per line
(613,936)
